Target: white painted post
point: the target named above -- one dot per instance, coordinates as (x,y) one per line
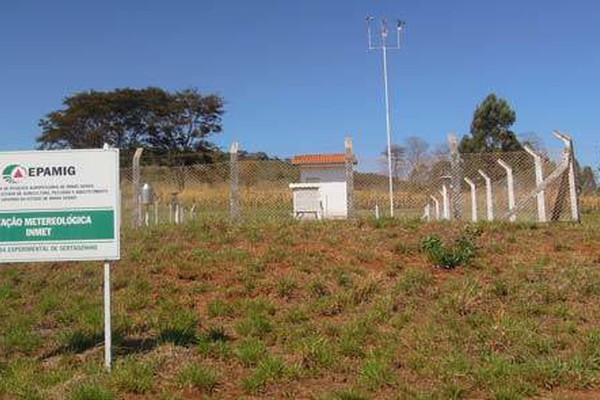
(436,203)
(427,212)
(156,211)
(473,199)
(137,204)
(539,178)
(376,211)
(107,324)
(510,183)
(488,195)
(446,201)
(573,196)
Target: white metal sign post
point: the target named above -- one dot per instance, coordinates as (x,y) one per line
(61,206)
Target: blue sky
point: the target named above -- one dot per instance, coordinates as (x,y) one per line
(296,75)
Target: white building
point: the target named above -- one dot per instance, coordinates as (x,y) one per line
(322,191)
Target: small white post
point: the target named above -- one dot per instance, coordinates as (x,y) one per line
(510,183)
(488,195)
(107,325)
(427,212)
(156,211)
(446,201)
(436,204)
(575,215)
(137,204)
(473,199)
(376,211)
(539,178)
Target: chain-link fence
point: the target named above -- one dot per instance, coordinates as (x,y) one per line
(518,186)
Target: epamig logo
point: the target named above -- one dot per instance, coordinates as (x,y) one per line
(14,173)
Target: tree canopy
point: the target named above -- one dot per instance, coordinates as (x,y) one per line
(166,124)
(490,129)
(398,158)
(587,179)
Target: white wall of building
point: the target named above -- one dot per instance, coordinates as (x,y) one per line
(323,174)
(332,186)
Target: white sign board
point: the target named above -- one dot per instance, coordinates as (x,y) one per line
(59,205)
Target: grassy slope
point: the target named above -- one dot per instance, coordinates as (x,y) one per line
(337,310)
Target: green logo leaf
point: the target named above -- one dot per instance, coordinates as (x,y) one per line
(14,173)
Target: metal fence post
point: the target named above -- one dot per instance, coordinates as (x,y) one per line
(136,188)
(510,183)
(456,199)
(349,176)
(234,193)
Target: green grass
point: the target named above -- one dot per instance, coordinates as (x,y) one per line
(134,375)
(199,377)
(324,310)
(250,352)
(91,392)
(269,370)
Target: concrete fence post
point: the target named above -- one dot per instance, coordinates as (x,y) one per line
(456,178)
(136,189)
(427,212)
(473,199)
(510,186)
(445,201)
(350,159)
(489,199)
(572,178)
(539,178)
(234,187)
(436,204)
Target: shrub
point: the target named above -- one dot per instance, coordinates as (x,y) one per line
(458,255)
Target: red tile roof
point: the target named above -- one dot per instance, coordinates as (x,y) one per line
(304,159)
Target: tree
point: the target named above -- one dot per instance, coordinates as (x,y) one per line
(490,129)
(167,124)
(416,153)
(587,180)
(398,154)
(533,141)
